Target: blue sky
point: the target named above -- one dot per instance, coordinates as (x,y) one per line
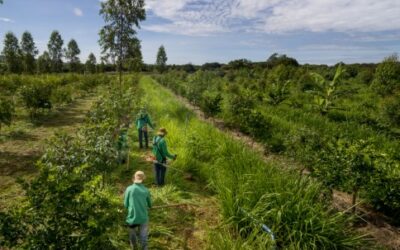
(199,31)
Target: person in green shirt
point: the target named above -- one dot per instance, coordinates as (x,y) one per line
(142,121)
(161,153)
(137,201)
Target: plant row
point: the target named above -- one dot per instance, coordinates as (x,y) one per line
(343,129)
(38,94)
(250,192)
(70,203)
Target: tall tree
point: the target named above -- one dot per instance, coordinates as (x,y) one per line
(121,18)
(55,51)
(44,63)
(134,56)
(71,53)
(28,52)
(11,53)
(161,59)
(90,64)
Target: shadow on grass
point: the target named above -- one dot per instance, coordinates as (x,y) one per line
(13,164)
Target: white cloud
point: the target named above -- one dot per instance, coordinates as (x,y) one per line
(200,17)
(78,12)
(6,20)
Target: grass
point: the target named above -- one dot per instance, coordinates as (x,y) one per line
(292,206)
(23,143)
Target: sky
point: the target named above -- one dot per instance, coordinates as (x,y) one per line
(199,31)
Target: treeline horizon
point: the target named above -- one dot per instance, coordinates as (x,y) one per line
(23,57)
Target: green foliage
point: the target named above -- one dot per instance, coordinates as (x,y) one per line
(36,96)
(44,63)
(28,52)
(72,54)
(6,111)
(11,53)
(276,59)
(90,65)
(352,112)
(162,59)
(290,205)
(211,103)
(391,108)
(118,34)
(55,51)
(326,92)
(69,204)
(387,75)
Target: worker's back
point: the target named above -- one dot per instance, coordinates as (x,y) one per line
(137,201)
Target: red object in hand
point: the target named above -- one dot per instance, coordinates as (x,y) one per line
(150,158)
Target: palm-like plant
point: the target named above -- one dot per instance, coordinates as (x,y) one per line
(327,91)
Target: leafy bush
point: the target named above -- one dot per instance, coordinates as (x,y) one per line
(68,204)
(387,75)
(211,103)
(6,111)
(392,110)
(62,95)
(36,96)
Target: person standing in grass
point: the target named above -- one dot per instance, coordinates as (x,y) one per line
(161,153)
(137,201)
(142,122)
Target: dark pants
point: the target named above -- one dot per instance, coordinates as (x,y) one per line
(143,133)
(143,234)
(160,171)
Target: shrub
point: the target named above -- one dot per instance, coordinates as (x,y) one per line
(6,111)
(211,103)
(36,96)
(392,110)
(387,75)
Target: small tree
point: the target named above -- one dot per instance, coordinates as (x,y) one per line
(55,51)
(44,63)
(71,53)
(36,96)
(211,103)
(28,52)
(11,53)
(6,111)
(90,64)
(359,162)
(161,59)
(326,91)
(387,75)
(121,18)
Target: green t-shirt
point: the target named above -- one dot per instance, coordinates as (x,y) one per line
(137,201)
(142,120)
(160,150)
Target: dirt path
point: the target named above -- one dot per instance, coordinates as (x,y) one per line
(18,154)
(373,223)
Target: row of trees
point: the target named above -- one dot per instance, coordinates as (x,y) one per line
(22,56)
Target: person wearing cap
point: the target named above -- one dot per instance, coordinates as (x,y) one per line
(137,201)
(142,121)
(161,153)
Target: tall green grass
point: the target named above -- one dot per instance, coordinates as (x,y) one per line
(292,206)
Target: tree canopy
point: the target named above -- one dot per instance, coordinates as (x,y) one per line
(162,59)
(55,51)
(122,17)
